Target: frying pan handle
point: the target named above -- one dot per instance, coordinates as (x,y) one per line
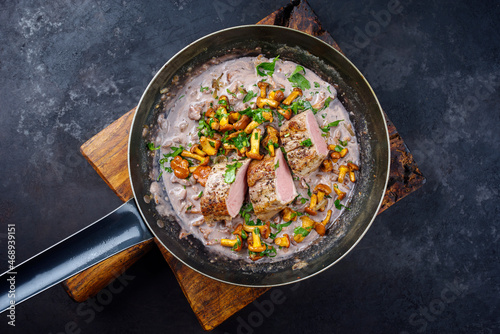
(113,233)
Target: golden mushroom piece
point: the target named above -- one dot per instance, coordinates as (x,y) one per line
(271,139)
(283,241)
(296,92)
(180,167)
(255,145)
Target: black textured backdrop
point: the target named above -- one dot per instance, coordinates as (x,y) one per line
(429,264)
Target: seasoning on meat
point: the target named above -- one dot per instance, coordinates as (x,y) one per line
(222,200)
(304,146)
(271,186)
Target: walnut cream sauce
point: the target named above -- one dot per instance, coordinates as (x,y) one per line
(178,124)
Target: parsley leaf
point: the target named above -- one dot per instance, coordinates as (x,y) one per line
(245,211)
(230,174)
(277,165)
(327,127)
(307,142)
(203,88)
(316,84)
(338,148)
(298,80)
(240,141)
(327,102)
(303,231)
(266,68)
(339,206)
(279,227)
(250,95)
(152,147)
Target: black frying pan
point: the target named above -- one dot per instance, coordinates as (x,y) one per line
(134,222)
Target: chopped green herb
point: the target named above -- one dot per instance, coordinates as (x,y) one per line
(307,142)
(230,174)
(302,231)
(245,212)
(266,68)
(316,84)
(152,147)
(175,152)
(250,95)
(327,127)
(338,148)
(180,97)
(270,251)
(204,129)
(298,80)
(329,89)
(237,244)
(244,234)
(309,193)
(240,141)
(343,142)
(277,165)
(230,93)
(202,89)
(339,206)
(159,176)
(189,208)
(327,102)
(279,227)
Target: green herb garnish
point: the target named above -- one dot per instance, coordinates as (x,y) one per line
(230,174)
(298,80)
(302,231)
(250,95)
(230,93)
(152,147)
(279,227)
(339,206)
(266,68)
(327,127)
(277,165)
(307,142)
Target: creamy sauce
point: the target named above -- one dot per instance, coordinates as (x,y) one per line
(177,126)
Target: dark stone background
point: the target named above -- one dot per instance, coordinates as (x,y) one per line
(429,264)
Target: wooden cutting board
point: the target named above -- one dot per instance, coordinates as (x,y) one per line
(212,301)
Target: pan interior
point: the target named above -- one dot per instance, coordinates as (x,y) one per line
(366,116)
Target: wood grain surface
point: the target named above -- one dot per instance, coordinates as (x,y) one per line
(211,301)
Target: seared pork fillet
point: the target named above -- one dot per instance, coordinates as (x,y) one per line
(221,200)
(304,146)
(270,185)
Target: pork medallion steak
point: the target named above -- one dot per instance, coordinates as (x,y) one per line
(304,146)
(270,184)
(221,200)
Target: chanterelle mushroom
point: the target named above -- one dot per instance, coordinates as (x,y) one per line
(255,145)
(270,141)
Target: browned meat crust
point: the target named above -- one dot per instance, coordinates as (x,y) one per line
(261,178)
(301,159)
(213,201)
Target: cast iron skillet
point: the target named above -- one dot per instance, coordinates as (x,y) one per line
(132,222)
